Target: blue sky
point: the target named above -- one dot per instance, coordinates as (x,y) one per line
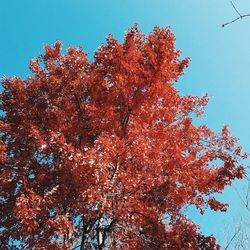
(220,56)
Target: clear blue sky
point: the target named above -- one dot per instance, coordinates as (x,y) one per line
(220,56)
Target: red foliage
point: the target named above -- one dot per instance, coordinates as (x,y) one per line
(104,154)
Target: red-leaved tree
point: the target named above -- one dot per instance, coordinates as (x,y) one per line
(104,154)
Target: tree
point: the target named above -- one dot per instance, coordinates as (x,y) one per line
(105,155)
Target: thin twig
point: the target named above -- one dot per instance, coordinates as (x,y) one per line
(245,203)
(238,18)
(75,247)
(247,195)
(235,234)
(235,8)
(24,246)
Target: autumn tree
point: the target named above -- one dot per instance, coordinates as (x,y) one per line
(104,154)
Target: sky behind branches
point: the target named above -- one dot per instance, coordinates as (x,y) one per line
(220,56)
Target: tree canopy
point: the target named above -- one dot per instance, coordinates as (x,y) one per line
(104,154)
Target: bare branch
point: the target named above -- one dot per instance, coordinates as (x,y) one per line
(247,195)
(75,247)
(235,234)
(244,201)
(24,246)
(235,9)
(236,19)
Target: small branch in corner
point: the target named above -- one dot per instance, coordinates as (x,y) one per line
(240,16)
(235,9)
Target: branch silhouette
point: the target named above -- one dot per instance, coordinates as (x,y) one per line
(240,16)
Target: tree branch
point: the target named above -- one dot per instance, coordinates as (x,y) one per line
(235,8)
(244,200)
(240,16)
(116,168)
(87,228)
(103,232)
(75,247)
(235,234)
